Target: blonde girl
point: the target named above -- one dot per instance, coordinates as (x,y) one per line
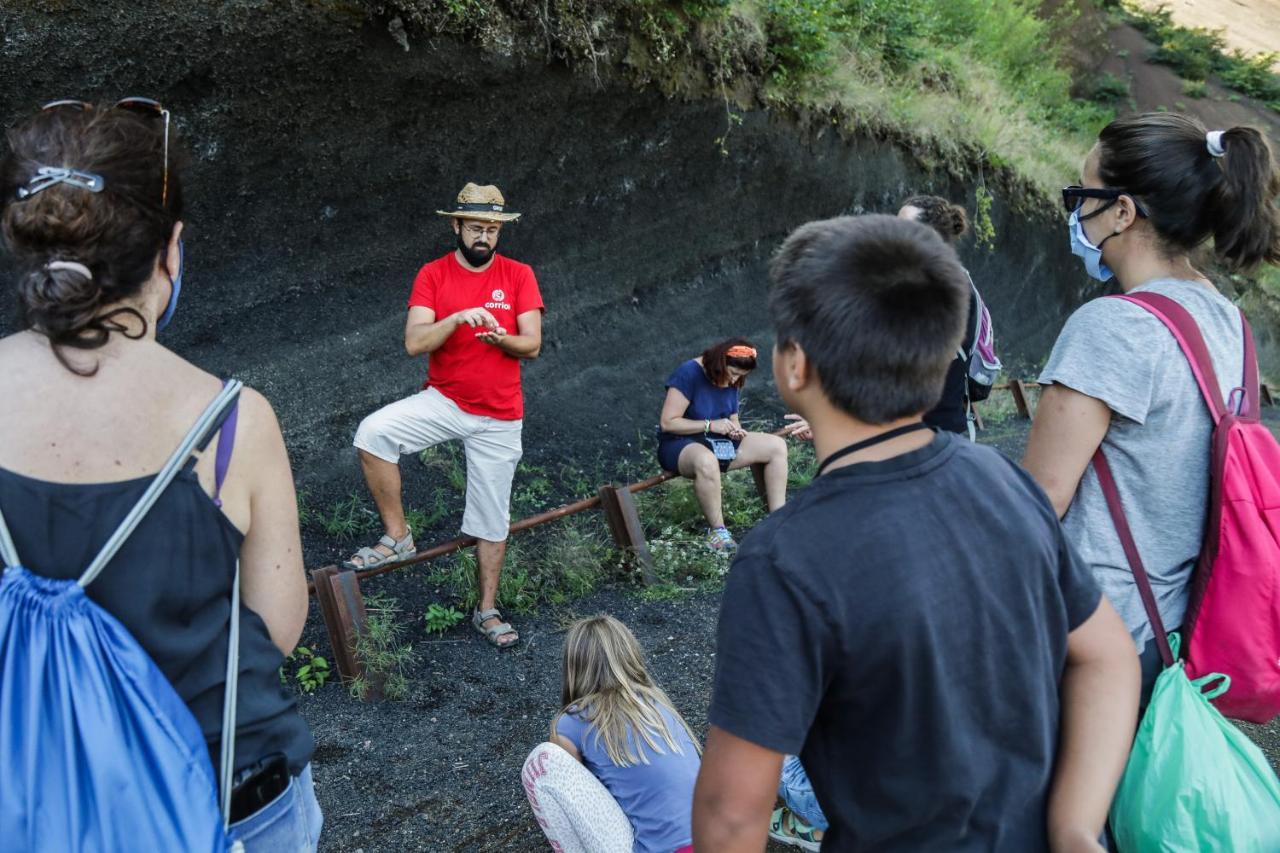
(619,770)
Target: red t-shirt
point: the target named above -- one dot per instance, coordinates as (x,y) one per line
(479,377)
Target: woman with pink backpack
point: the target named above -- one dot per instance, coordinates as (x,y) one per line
(1118,386)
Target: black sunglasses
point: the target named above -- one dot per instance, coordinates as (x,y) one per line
(1074,196)
(143,106)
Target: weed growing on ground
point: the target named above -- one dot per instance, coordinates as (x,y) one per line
(310,670)
(440,618)
(382,652)
(1109,89)
(420,521)
(562,564)
(449,460)
(532,491)
(306,513)
(348,518)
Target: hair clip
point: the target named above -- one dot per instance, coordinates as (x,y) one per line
(1213,141)
(48,176)
(74,266)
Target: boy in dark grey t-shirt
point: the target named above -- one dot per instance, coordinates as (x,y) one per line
(914,624)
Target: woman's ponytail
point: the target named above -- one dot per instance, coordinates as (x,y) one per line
(1244,212)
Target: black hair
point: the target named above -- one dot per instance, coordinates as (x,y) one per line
(117,233)
(948,219)
(1163,161)
(878,305)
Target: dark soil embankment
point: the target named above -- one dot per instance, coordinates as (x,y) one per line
(322,147)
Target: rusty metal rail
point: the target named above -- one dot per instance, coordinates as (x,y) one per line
(342,606)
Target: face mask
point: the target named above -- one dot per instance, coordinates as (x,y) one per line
(173,295)
(1082,248)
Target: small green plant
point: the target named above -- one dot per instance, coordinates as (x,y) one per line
(1195,88)
(440,618)
(348,518)
(984,229)
(420,521)
(306,513)
(447,459)
(382,652)
(310,670)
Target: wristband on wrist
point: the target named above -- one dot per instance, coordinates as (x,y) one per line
(706,426)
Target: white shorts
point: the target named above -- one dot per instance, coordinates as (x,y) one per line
(492,448)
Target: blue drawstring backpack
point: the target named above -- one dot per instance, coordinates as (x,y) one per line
(97,750)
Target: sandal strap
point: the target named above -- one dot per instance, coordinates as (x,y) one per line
(388,541)
(501,629)
(491,613)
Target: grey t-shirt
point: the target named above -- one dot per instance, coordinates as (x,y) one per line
(1158,443)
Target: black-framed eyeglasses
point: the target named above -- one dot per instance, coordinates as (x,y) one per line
(143,106)
(1074,196)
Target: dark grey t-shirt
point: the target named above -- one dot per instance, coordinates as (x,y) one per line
(902,626)
(1158,443)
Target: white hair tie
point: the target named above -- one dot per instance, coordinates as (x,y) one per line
(1213,140)
(74,266)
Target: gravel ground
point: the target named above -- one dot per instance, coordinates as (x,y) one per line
(440,770)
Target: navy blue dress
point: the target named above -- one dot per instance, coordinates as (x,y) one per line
(706,402)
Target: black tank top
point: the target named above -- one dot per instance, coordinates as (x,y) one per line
(170,586)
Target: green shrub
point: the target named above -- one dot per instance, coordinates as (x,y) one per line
(1253,75)
(1109,88)
(1195,88)
(382,652)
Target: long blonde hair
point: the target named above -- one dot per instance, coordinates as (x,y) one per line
(604,682)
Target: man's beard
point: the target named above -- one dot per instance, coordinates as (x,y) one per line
(475,256)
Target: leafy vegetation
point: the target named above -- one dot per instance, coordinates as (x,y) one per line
(309,670)
(440,618)
(382,652)
(1196,53)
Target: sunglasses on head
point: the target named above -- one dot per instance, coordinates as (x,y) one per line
(1073,197)
(143,106)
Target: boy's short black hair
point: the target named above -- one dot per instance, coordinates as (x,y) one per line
(878,304)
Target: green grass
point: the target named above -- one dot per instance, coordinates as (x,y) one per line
(382,652)
(347,518)
(564,562)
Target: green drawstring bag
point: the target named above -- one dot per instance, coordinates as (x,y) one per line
(1194,781)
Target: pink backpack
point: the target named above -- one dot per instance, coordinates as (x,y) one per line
(1232,624)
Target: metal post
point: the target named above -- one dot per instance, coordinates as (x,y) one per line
(624,526)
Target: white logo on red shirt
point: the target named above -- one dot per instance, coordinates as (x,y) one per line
(498,296)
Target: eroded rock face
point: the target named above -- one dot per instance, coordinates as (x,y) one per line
(321,147)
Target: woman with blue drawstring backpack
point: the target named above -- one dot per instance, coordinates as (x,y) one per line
(1149,411)
(148,525)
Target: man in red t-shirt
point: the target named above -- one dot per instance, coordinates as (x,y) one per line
(475,314)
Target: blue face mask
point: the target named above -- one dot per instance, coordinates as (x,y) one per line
(1082,248)
(173,295)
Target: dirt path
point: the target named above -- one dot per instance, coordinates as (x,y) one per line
(440,771)
(1250,25)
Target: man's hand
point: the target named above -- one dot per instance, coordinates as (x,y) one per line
(798,429)
(476,317)
(493,336)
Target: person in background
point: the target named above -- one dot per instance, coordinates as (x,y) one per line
(477,315)
(975,367)
(94,405)
(619,771)
(1155,187)
(700,435)
(943,691)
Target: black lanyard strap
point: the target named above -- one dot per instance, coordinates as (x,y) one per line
(870,442)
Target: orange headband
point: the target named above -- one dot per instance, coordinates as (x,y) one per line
(740,351)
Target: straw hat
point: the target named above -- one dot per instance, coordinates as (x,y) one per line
(484,203)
